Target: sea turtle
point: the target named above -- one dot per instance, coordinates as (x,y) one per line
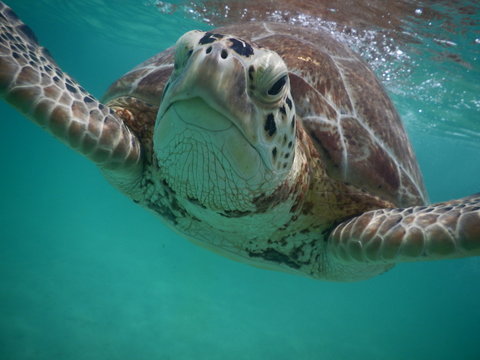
(271,144)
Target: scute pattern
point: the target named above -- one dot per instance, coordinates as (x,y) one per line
(439,231)
(346,112)
(146,81)
(31,81)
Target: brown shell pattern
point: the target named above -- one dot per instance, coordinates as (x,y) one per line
(344,108)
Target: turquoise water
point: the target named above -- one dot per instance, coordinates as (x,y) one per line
(86,274)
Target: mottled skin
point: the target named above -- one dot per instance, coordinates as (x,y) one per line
(292,159)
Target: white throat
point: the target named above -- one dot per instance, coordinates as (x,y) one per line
(204,158)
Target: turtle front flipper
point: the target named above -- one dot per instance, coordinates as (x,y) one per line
(440,231)
(31,81)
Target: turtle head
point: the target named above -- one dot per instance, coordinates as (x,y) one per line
(225,130)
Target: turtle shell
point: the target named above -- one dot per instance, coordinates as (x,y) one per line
(342,105)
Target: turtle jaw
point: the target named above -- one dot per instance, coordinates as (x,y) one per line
(202,155)
(222,134)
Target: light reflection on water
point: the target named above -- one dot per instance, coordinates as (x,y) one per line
(427,56)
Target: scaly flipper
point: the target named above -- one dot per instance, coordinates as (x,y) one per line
(439,231)
(31,81)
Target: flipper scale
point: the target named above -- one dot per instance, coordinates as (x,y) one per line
(440,231)
(31,81)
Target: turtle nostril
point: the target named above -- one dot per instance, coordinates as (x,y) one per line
(224,54)
(209,50)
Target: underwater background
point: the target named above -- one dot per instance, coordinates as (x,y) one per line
(87,274)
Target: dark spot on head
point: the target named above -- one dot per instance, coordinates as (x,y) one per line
(224,54)
(241,47)
(278,86)
(287,155)
(70,88)
(283,111)
(270,126)
(285,165)
(209,50)
(290,144)
(15,55)
(209,38)
(88,99)
(56,79)
(289,103)
(292,124)
(274,153)
(101,106)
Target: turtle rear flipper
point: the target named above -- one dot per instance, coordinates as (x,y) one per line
(444,230)
(31,81)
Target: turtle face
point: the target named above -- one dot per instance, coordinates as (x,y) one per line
(225,130)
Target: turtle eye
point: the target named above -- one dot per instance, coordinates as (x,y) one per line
(185,47)
(278,86)
(268,77)
(181,57)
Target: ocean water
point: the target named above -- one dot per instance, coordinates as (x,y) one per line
(86,274)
